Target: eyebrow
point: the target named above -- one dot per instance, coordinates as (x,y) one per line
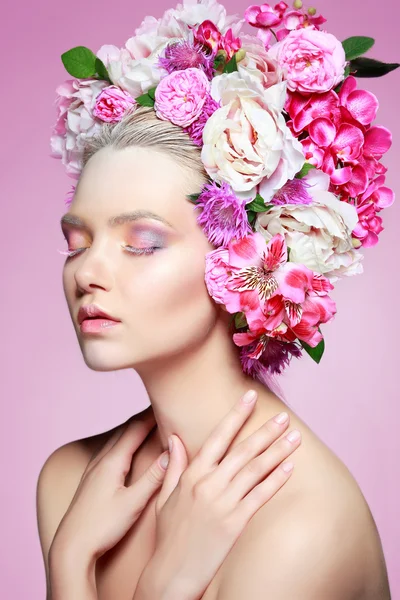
(115,221)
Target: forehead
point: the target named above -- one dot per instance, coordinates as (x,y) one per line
(115,181)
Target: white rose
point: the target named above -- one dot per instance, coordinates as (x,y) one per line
(246,140)
(318,234)
(176,21)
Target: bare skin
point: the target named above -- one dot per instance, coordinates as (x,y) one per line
(318,528)
(320,489)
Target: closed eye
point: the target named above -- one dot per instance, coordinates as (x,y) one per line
(127,247)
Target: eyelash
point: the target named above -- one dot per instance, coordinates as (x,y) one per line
(131,249)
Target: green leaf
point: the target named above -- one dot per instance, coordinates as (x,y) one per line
(369,67)
(356,46)
(218,61)
(193,197)
(145,100)
(240,320)
(231,65)
(80,62)
(258,205)
(251,215)
(315,353)
(304,170)
(101,70)
(152,92)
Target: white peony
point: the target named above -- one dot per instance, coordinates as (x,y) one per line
(318,234)
(247,140)
(75,100)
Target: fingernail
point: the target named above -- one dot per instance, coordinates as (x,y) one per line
(287,466)
(170,443)
(281,418)
(164,460)
(249,396)
(293,435)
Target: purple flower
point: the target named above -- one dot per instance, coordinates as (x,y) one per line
(275,357)
(223,215)
(293,192)
(195,130)
(184,54)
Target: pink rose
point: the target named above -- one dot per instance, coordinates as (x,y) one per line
(180,96)
(258,63)
(314,60)
(112,103)
(217,273)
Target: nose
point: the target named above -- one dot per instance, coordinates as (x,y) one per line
(93,271)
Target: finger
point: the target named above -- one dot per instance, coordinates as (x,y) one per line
(124,448)
(248,449)
(140,492)
(178,461)
(261,494)
(261,467)
(223,434)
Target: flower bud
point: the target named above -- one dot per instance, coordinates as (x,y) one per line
(297,4)
(312,11)
(356,242)
(240,54)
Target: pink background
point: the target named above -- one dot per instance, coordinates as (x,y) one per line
(50,397)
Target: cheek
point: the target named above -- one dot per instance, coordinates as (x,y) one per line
(170,292)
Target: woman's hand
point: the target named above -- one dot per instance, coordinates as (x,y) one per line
(103,508)
(202,509)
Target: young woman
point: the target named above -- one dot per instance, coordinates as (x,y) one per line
(226,521)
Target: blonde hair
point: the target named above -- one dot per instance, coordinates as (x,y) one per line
(141,127)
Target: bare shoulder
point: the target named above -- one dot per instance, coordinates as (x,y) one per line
(315,538)
(58,481)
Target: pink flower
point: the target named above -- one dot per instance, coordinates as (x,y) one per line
(265,15)
(180,96)
(195,130)
(217,273)
(112,103)
(375,198)
(230,44)
(258,64)
(314,60)
(269,290)
(208,35)
(183,54)
(75,121)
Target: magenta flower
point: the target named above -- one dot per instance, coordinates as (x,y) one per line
(270,291)
(209,35)
(375,198)
(275,356)
(230,44)
(195,130)
(180,96)
(265,15)
(112,103)
(223,215)
(184,54)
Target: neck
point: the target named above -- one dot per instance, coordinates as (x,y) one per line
(191,392)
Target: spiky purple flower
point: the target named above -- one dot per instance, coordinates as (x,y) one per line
(223,215)
(183,54)
(195,130)
(293,192)
(275,357)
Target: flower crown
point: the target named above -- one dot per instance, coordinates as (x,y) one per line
(295,179)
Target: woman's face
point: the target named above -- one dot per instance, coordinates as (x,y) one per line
(160,297)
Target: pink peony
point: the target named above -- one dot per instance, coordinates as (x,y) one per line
(314,60)
(112,103)
(258,64)
(180,96)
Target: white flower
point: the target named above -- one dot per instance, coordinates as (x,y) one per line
(75,122)
(176,21)
(318,234)
(246,140)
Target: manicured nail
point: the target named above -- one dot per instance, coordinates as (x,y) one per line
(164,460)
(281,418)
(293,435)
(287,466)
(170,443)
(249,396)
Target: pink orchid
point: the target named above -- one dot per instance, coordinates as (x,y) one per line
(209,35)
(375,198)
(277,297)
(265,15)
